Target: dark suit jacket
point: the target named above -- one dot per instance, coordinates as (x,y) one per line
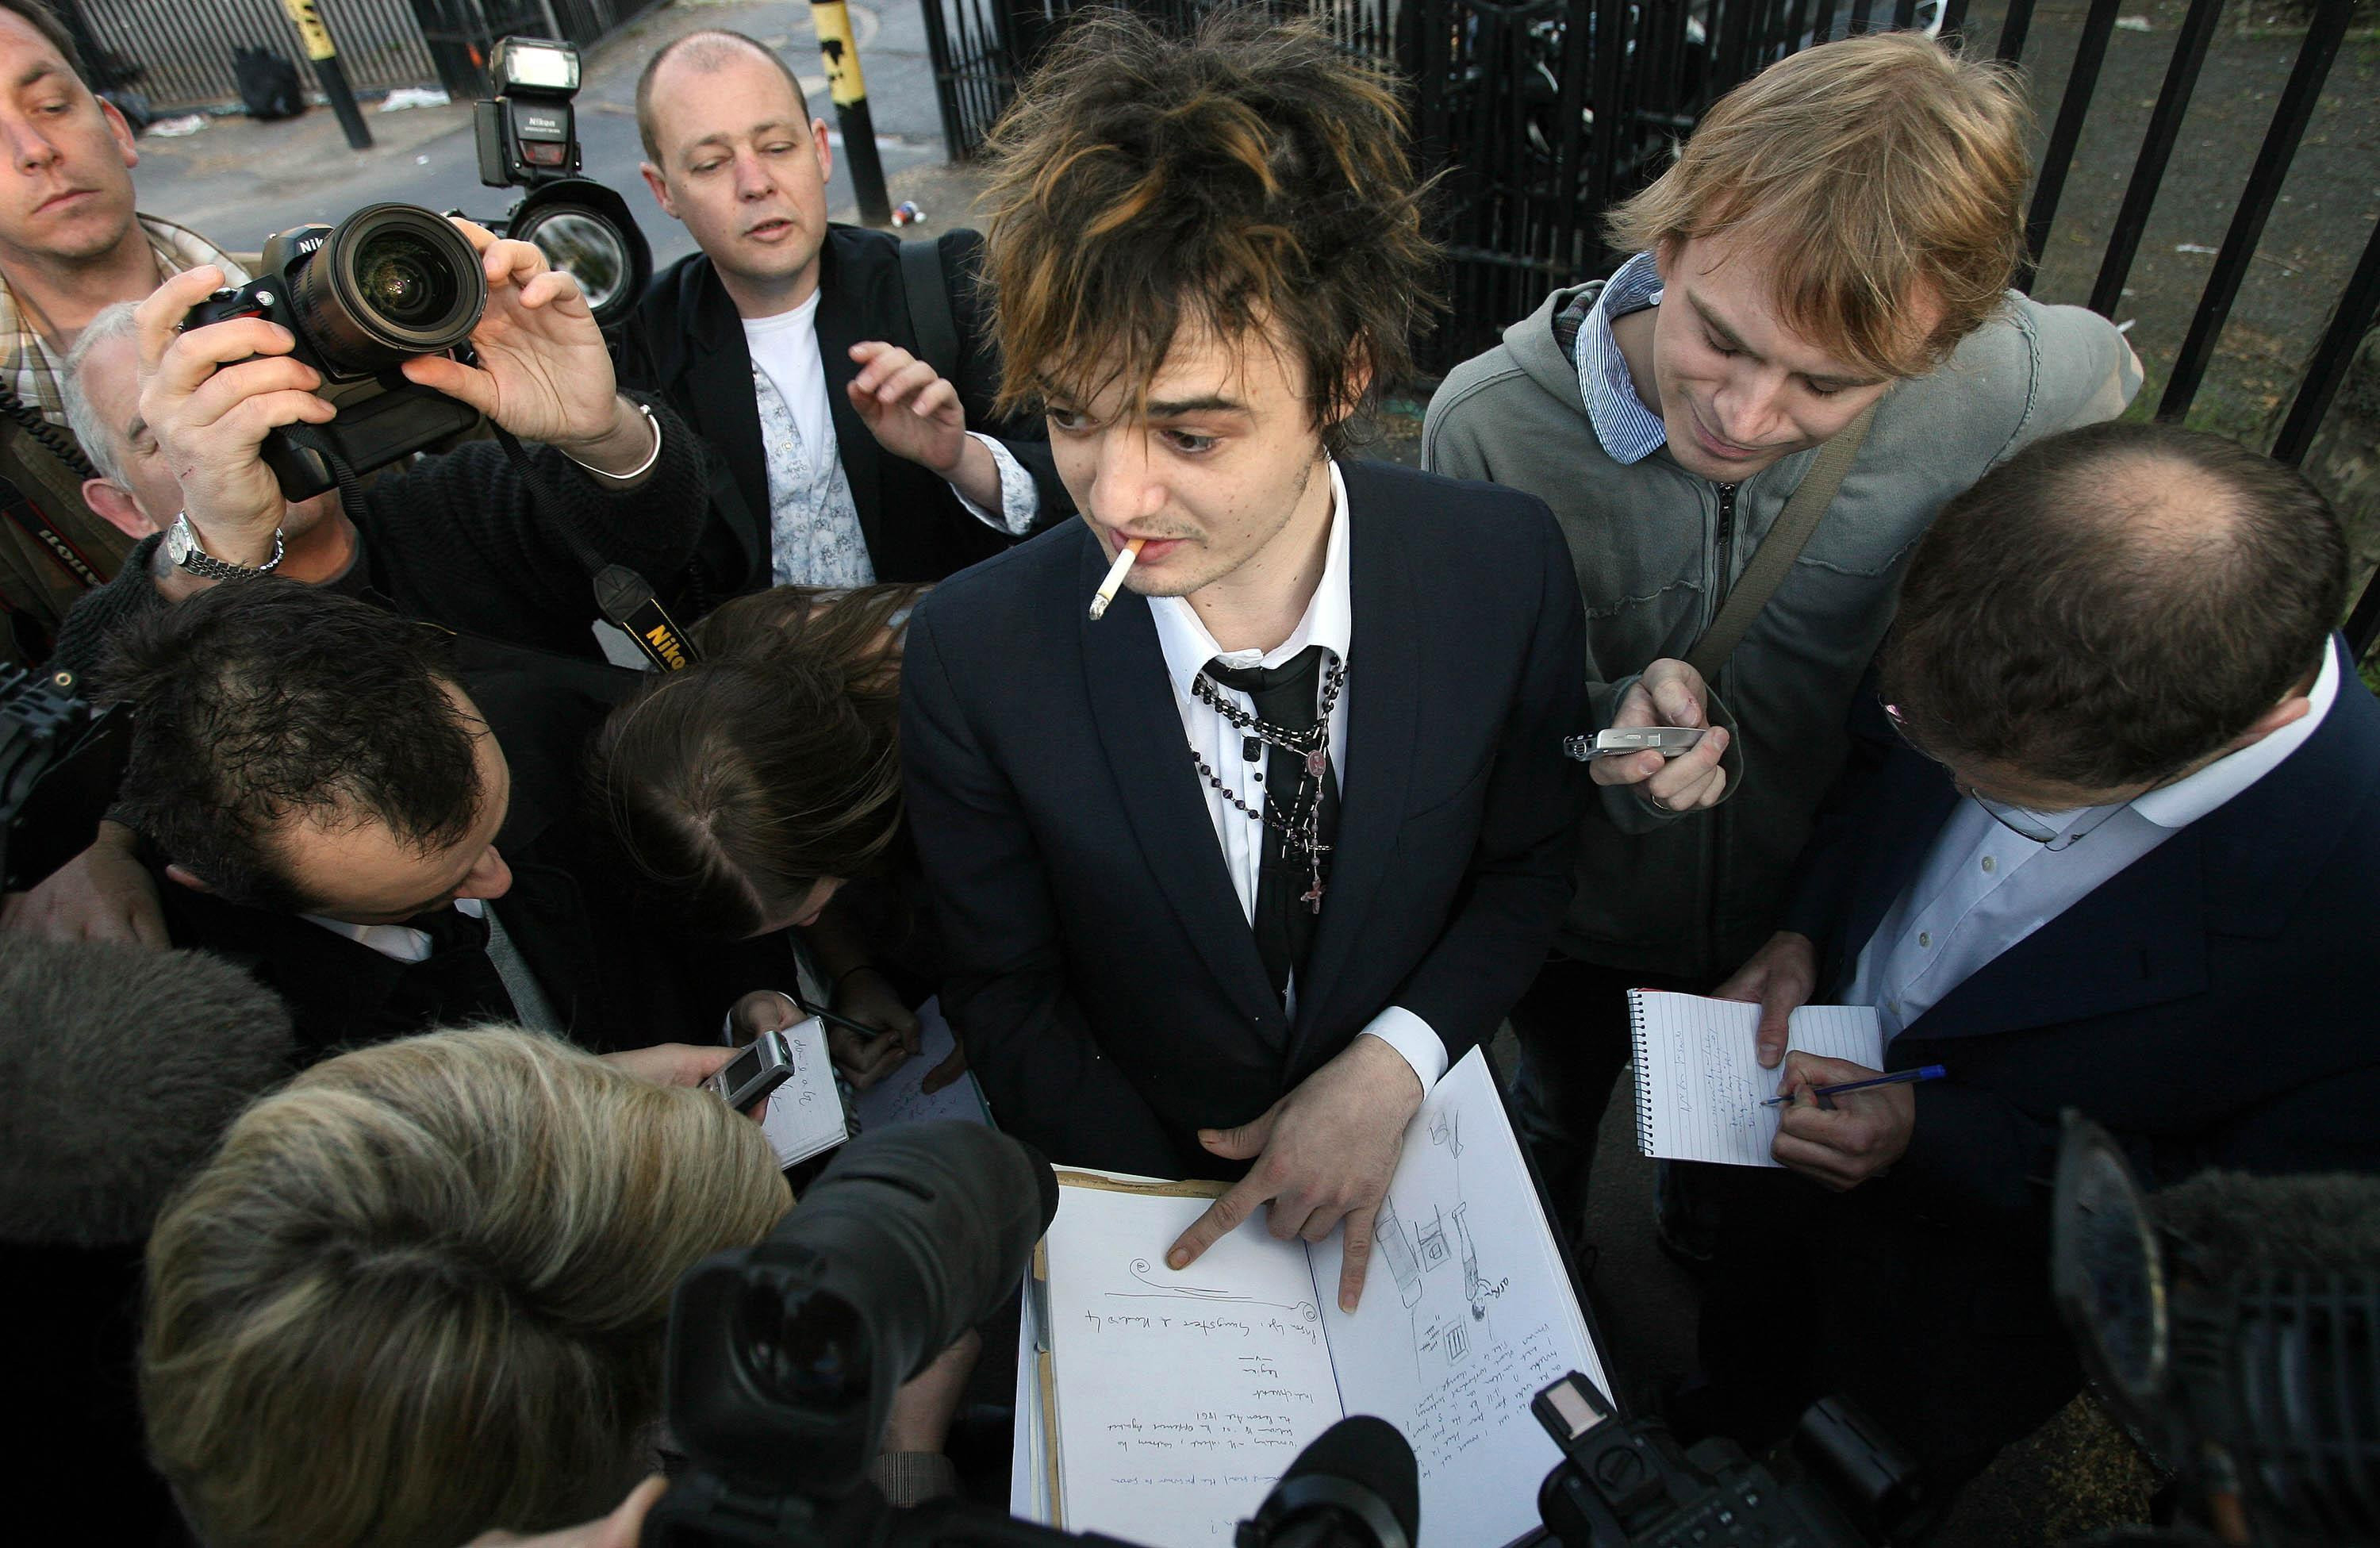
(1102,973)
(616,971)
(2203,1005)
(685,342)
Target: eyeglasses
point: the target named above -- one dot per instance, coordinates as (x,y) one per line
(2023,822)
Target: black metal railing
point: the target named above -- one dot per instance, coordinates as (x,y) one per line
(1538,115)
(184,50)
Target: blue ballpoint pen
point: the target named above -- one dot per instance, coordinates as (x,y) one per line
(1898,1078)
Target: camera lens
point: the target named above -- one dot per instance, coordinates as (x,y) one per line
(401,278)
(587,247)
(391,282)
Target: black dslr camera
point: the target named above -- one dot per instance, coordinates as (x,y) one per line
(1627,1484)
(388,283)
(783,1360)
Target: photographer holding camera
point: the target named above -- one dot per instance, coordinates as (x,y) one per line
(72,242)
(456,539)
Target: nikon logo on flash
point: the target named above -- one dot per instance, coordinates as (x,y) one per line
(665,642)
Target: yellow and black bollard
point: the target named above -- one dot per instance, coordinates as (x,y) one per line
(308,18)
(840,51)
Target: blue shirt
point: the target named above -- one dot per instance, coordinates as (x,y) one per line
(1629,431)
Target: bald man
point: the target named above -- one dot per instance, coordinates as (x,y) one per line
(848,388)
(2107,845)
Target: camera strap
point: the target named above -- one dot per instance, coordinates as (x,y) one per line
(1774,558)
(625,598)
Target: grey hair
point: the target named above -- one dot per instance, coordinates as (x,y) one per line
(100,441)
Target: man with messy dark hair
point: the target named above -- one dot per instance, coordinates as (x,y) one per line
(1230,874)
(379,819)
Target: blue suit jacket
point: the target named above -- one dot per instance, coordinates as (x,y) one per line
(2208,1005)
(1102,973)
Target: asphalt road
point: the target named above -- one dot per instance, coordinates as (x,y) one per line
(240,181)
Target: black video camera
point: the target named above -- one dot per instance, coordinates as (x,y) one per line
(1628,1483)
(529,139)
(783,1360)
(388,283)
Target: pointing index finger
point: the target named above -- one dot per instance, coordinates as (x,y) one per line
(1222,1217)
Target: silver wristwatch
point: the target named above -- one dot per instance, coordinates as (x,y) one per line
(182,547)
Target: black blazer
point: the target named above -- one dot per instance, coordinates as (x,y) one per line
(2204,1005)
(1103,975)
(685,342)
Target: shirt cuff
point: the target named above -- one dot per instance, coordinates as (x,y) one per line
(1415,1041)
(1020,498)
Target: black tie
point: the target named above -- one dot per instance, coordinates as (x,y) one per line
(457,983)
(1287,699)
(451,929)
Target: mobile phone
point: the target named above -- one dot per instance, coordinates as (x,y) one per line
(1667,740)
(763,1066)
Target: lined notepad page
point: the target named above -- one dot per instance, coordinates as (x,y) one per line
(1699,1084)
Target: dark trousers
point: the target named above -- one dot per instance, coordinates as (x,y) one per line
(1943,1333)
(1573,1026)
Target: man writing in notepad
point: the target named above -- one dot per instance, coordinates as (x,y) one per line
(2108,844)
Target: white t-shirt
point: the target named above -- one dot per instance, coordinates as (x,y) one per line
(786,347)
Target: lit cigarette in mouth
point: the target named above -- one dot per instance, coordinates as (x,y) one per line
(1115,582)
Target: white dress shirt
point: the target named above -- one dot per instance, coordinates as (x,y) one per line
(1983,887)
(1329,623)
(402,943)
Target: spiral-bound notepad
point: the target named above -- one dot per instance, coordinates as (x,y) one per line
(1699,1084)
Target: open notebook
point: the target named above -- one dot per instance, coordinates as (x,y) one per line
(1699,1084)
(1163,1406)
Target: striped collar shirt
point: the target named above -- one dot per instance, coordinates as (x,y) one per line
(26,365)
(1629,431)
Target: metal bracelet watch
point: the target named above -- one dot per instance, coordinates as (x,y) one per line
(182,548)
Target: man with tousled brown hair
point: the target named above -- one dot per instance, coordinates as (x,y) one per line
(1228,876)
(1836,237)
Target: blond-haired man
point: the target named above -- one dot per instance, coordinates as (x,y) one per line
(1838,236)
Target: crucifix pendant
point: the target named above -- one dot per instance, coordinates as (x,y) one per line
(1312,897)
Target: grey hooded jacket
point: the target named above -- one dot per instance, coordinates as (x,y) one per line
(1693,896)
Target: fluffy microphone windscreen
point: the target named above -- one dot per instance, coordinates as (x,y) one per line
(2304,1224)
(122,1067)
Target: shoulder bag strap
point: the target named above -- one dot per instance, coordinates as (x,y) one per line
(935,326)
(1777,552)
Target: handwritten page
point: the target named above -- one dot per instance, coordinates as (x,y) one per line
(1181,1397)
(1467,1311)
(1699,1084)
(806,1113)
(901,1098)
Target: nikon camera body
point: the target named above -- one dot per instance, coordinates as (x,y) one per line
(388,283)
